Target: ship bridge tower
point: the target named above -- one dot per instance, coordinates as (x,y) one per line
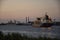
(47,18)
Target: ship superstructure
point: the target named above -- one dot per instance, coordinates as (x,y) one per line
(43,22)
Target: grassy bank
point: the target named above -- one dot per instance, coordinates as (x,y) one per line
(18,36)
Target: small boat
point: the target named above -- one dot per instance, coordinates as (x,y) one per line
(43,22)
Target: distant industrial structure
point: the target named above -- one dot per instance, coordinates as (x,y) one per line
(46,21)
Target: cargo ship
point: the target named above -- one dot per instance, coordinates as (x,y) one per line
(43,22)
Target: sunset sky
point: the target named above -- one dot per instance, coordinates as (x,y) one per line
(19,9)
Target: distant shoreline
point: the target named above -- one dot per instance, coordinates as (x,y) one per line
(25,24)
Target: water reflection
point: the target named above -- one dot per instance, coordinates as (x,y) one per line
(29,30)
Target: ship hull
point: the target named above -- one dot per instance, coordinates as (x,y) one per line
(46,25)
(43,25)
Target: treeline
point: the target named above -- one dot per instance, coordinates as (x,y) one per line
(18,36)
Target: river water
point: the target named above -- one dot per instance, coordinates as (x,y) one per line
(52,32)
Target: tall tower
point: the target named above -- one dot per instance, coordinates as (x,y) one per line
(26,19)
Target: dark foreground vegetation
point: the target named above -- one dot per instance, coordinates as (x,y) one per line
(17,36)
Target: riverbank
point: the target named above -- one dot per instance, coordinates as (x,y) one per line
(18,36)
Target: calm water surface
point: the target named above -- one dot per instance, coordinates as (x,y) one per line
(53,31)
